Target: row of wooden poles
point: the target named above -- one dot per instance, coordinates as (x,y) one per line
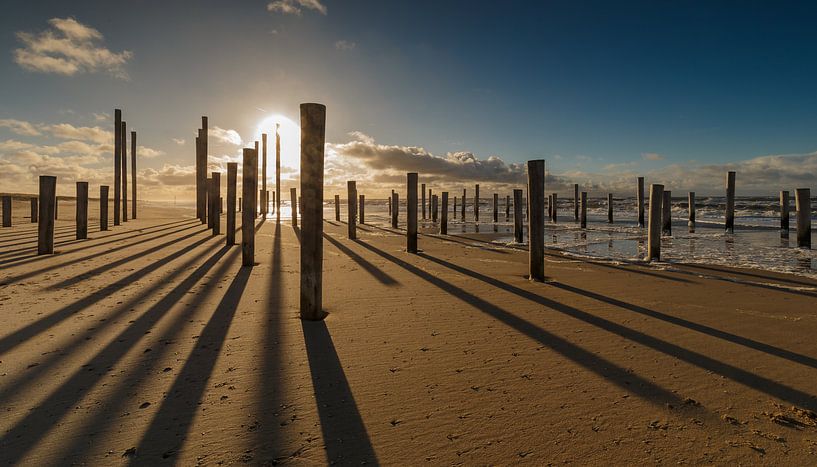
(45,206)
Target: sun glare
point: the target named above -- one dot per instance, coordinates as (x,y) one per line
(290,134)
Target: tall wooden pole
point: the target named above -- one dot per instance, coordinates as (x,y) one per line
(555,208)
(666,216)
(444,214)
(45,227)
(293,201)
(265,194)
(277,174)
(609,208)
(654,227)
(6,211)
(507,207)
(395,211)
(117,164)
(576,202)
(730,202)
(476,203)
(454,210)
(517,217)
(82,211)
(103,207)
(216,186)
(434,208)
(133,174)
(639,199)
(313,129)
(249,182)
(208,185)
(691,202)
(361,213)
(337,208)
(462,209)
(583,214)
(423,195)
(802,199)
(232,180)
(496,207)
(351,203)
(536,226)
(34,210)
(411,211)
(124,206)
(201,178)
(784,214)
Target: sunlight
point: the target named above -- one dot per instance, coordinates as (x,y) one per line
(290,134)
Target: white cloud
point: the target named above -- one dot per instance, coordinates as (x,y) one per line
(102,117)
(20,127)
(82,133)
(345,45)
(69,47)
(651,156)
(226,136)
(179,141)
(143,151)
(295,7)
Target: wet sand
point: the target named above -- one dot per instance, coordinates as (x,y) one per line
(150,345)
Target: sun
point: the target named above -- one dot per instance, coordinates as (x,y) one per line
(290,134)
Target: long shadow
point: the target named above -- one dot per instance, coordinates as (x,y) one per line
(748,274)
(739,375)
(617,375)
(631,270)
(381,276)
(181,403)
(344,434)
(717,276)
(496,248)
(35,240)
(20,438)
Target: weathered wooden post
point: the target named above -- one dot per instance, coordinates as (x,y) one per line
(464,202)
(117,164)
(517,217)
(434,208)
(293,200)
(208,185)
(216,186)
(45,228)
(395,211)
(496,207)
(476,203)
(411,211)
(691,202)
(56,206)
(103,207)
(266,200)
(133,174)
(802,200)
(536,226)
(337,208)
(390,201)
(277,174)
(351,202)
(265,196)
(666,216)
(313,127)
(249,182)
(454,211)
(639,200)
(6,211)
(583,214)
(34,210)
(550,207)
(361,213)
(124,206)
(232,180)
(82,211)
(201,178)
(576,202)
(444,214)
(273,202)
(555,208)
(730,201)
(784,214)
(609,208)
(654,227)
(507,208)
(423,196)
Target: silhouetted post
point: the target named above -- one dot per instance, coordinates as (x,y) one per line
(517,217)
(361,213)
(273,202)
(639,199)
(82,211)
(249,182)
(411,211)
(133,174)
(390,201)
(277,174)
(583,214)
(293,200)
(784,214)
(56,206)
(576,202)
(691,202)
(395,211)
(476,203)
(45,228)
(496,207)
(6,211)
(240,203)
(555,208)
(536,226)
(507,207)
(550,207)
(124,206)
(802,200)
(666,216)
(444,214)
(201,179)
(464,202)
(337,208)
(434,208)
(34,210)
(216,203)
(313,121)
(117,164)
(654,227)
(232,180)
(208,185)
(423,191)
(265,205)
(609,208)
(351,202)
(103,207)
(266,200)
(454,211)
(730,202)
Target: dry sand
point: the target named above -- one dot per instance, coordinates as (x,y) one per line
(149,344)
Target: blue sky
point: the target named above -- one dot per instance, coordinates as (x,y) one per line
(679,91)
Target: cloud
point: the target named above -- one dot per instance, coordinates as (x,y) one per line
(345,45)
(179,141)
(102,117)
(226,136)
(69,47)
(143,151)
(651,156)
(19,127)
(295,7)
(82,133)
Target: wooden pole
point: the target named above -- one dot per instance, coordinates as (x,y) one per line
(293,200)
(337,208)
(273,202)
(82,211)
(411,211)
(609,208)
(639,199)
(423,195)
(103,207)
(476,203)
(201,178)
(576,202)
(56,206)
(496,207)
(434,208)
(45,228)
(313,127)
(133,174)
(390,201)
(361,214)
(507,207)
(124,206)
(265,202)
(277,174)
(351,202)
(654,227)
(555,208)
(6,211)
(550,207)
(536,226)
(249,180)
(784,214)
(216,203)
(691,202)
(444,214)
(240,203)
(464,202)
(208,185)
(117,164)
(730,201)
(232,181)
(802,200)
(666,216)
(395,211)
(583,220)
(34,210)
(517,217)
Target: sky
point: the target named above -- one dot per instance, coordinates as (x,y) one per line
(459,91)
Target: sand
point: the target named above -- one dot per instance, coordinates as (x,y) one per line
(150,345)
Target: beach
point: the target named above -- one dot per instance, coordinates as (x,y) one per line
(150,344)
